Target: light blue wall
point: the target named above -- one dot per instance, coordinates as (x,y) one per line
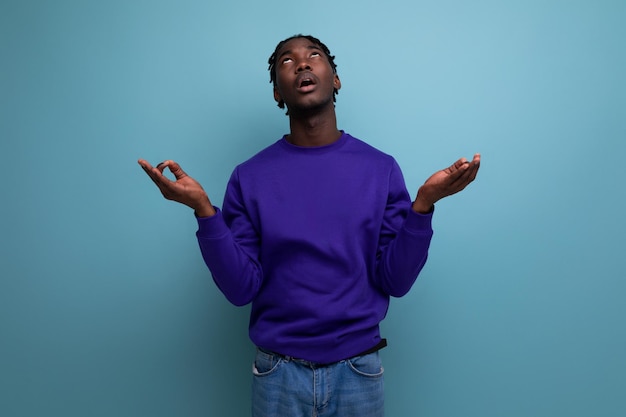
(106,308)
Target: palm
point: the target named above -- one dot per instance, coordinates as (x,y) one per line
(446,182)
(184,189)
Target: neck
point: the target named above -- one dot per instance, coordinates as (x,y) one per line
(313,128)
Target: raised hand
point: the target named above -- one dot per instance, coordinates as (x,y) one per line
(184,189)
(446,182)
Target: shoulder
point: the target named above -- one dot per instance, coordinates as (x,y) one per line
(271,151)
(263,158)
(370,153)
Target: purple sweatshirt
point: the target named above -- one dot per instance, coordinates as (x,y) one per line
(317,239)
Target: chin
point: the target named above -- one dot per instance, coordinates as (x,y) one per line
(310,107)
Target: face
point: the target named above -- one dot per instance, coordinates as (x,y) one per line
(304,77)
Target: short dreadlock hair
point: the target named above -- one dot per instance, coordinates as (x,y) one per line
(320,44)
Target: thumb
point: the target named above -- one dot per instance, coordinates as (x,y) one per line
(176,170)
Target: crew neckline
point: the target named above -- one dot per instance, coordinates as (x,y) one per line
(297,148)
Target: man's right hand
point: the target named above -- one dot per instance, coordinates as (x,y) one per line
(184,189)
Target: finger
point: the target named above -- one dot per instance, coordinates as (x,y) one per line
(144,164)
(461,163)
(461,166)
(148,169)
(176,170)
(456,170)
(473,168)
(468,176)
(156,179)
(162,165)
(152,172)
(156,175)
(473,175)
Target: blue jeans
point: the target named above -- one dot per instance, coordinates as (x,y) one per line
(288,387)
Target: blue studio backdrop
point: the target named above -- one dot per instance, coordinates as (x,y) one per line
(106,308)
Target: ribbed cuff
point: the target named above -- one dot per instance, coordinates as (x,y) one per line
(211,227)
(418,222)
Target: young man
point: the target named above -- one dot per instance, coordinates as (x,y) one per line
(317,231)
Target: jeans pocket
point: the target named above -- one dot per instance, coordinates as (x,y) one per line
(367,365)
(265,363)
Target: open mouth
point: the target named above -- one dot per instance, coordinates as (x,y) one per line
(305,82)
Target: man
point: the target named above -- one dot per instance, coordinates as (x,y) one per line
(317,231)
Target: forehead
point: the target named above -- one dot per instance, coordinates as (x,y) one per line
(295,44)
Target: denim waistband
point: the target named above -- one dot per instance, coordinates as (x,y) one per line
(379,346)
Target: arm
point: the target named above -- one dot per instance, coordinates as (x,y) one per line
(233,267)
(404,244)
(230,244)
(404,240)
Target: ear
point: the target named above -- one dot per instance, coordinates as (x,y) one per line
(277,96)
(337,82)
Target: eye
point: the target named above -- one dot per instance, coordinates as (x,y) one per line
(315,54)
(286,60)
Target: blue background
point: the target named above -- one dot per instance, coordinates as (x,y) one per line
(106,308)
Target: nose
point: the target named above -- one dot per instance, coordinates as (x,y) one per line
(303,65)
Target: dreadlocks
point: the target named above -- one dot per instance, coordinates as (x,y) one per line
(320,44)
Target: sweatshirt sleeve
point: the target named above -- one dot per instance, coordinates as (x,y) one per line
(404,239)
(229,246)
